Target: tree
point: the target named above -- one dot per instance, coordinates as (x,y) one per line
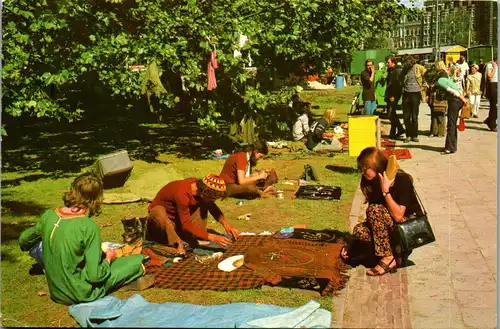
(456,27)
(51,48)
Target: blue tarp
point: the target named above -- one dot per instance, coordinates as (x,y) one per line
(138,312)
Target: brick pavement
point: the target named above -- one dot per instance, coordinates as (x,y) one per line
(453,281)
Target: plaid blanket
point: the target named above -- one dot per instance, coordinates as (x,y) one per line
(189,274)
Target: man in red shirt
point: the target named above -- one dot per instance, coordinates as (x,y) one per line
(180,209)
(237,173)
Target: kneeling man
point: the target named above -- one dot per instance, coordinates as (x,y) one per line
(180,209)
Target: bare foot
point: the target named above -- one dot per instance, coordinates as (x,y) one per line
(269,189)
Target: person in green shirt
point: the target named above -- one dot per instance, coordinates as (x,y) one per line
(75,267)
(456,102)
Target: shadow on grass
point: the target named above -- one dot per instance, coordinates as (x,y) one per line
(12,231)
(20,180)
(18,208)
(341,169)
(61,149)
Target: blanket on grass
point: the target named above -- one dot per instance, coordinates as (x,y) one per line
(274,261)
(139,313)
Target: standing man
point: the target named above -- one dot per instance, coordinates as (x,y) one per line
(482,69)
(464,66)
(393,95)
(413,86)
(368,82)
(492,73)
(474,89)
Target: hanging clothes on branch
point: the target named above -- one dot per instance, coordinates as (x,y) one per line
(212,65)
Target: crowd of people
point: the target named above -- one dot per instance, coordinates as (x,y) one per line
(447,90)
(67,244)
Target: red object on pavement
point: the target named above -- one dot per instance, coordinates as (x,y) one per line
(400,153)
(388,143)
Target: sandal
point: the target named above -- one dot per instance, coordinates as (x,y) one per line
(385,267)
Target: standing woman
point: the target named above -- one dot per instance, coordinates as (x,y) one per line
(455,103)
(74,264)
(413,86)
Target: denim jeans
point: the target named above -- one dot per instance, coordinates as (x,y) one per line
(370,107)
(36,254)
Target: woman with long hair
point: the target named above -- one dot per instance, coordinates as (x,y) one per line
(455,100)
(73,260)
(316,141)
(389,202)
(237,173)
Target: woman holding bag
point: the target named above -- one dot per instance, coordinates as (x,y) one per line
(456,102)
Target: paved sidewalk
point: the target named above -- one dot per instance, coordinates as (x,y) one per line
(453,281)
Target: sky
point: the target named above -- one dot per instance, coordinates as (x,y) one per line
(414,4)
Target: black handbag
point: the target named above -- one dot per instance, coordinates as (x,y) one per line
(416,231)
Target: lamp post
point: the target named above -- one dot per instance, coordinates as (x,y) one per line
(437,55)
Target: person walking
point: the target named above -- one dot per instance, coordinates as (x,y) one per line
(368,82)
(474,89)
(482,69)
(413,86)
(455,103)
(392,96)
(492,74)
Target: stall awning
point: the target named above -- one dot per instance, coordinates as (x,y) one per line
(430,50)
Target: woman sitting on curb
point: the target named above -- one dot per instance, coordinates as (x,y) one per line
(73,260)
(389,202)
(315,140)
(237,173)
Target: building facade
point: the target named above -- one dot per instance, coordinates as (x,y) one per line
(421,32)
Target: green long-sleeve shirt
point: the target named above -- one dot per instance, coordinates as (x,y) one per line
(447,84)
(74,265)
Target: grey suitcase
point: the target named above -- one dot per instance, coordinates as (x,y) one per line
(114,169)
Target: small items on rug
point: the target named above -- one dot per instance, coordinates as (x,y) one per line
(245,216)
(232,263)
(319,192)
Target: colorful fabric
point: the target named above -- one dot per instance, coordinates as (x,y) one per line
(378,228)
(212,65)
(75,269)
(315,258)
(137,312)
(179,202)
(214,182)
(400,153)
(236,161)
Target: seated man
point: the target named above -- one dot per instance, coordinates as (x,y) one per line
(179,213)
(237,173)
(301,125)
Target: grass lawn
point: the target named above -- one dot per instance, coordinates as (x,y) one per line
(26,193)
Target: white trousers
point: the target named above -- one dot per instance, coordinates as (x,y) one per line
(475,100)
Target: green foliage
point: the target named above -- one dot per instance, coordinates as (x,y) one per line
(51,49)
(456,27)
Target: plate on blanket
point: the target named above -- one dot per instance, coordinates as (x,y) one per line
(231,263)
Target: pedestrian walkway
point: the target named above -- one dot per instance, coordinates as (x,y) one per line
(452,283)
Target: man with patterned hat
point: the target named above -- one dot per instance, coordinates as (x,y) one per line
(180,209)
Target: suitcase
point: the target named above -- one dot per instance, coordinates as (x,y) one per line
(114,169)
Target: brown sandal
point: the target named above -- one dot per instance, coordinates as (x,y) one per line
(385,267)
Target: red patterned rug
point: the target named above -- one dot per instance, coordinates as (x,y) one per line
(401,154)
(267,260)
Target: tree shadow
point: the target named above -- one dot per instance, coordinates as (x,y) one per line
(18,208)
(20,180)
(60,150)
(342,169)
(12,231)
